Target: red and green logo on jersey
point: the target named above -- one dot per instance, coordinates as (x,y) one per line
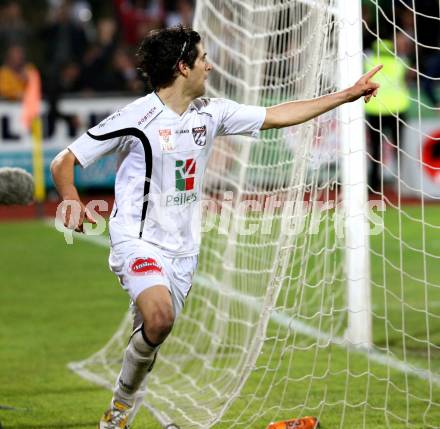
(185,174)
(185,184)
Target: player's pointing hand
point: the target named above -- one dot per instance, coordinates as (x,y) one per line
(364,87)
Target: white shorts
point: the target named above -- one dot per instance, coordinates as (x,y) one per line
(140,265)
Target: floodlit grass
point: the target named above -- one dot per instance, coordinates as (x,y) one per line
(60,304)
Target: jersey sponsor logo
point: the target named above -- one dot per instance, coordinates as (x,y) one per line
(109,118)
(181,199)
(199,135)
(166,140)
(145,267)
(182,131)
(185,174)
(147,116)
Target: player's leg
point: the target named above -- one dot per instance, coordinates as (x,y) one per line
(143,274)
(142,316)
(156,308)
(181,271)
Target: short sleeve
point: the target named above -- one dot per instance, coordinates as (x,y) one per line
(88,148)
(241,119)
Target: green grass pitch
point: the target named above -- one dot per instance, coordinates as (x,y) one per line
(60,304)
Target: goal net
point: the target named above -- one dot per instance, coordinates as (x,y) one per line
(318,291)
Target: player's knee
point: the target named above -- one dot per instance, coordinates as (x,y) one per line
(159,323)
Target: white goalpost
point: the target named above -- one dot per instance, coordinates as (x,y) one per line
(303,305)
(354,178)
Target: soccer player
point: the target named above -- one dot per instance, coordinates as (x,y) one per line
(163,142)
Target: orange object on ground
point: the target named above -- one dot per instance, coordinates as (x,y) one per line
(302,423)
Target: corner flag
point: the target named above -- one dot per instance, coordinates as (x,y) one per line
(31,120)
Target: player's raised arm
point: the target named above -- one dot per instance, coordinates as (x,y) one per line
(62,172)
(297,112)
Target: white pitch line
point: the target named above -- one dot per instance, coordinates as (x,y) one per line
(286,321)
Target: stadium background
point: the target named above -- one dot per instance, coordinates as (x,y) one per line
(59,303)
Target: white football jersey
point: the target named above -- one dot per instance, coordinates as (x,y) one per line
(161,161)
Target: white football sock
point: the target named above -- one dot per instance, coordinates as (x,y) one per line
(138,360)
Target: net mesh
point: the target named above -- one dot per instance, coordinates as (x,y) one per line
(263,333)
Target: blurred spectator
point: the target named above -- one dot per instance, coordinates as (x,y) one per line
(65,38)
(66,42)
(369,29)
(13,29)
(14,73)
(420,24)
(125,76)
(426,27)
(95,71)
(79,10)
(179,12)
(428,41)
(67,82)
(82,54)
(138,18)
(430,82)
(385,114)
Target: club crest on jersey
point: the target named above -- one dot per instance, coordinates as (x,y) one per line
(199,135)
(166,140)
(145,267)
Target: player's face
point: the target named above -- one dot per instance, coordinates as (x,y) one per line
(199,72)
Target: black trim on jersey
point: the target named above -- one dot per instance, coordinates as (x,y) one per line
(135,132)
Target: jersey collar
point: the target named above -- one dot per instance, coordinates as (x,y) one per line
(191,106)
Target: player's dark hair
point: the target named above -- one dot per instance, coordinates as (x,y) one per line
(161,51)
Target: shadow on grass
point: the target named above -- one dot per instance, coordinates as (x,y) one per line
(8,408)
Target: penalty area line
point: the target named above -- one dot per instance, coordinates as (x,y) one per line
(286,321)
